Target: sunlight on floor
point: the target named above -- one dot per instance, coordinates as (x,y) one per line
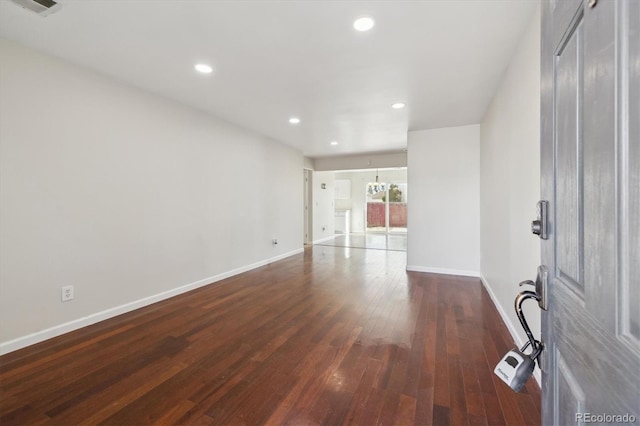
(392,242)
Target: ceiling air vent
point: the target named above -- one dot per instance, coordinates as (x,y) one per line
(41,7)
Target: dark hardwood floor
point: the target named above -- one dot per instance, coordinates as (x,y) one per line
(332,336)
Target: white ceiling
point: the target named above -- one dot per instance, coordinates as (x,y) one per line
(276,59)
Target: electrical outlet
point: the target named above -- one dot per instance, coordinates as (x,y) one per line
(67,293)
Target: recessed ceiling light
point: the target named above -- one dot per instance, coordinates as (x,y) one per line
(364,24)
(334,142)
(398,105)
(294,120)
(203,68)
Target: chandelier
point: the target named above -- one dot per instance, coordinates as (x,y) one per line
(376,187)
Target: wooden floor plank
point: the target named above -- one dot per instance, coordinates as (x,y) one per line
(331,336)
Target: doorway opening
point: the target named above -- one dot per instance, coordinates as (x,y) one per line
(371,201)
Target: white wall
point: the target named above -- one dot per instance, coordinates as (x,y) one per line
(444,208)
(359,180)
(124,195)
(309,163)
(510,181)
(363,161)
(323,206)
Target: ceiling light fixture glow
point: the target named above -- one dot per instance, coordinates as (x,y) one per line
(334,142)
(364,24)
(294,120)
(203,68)
(398,105)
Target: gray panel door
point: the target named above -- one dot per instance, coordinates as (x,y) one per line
(591,177)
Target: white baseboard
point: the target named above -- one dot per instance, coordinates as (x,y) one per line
(40,336)
(443,271)
(321,240)
(510,326)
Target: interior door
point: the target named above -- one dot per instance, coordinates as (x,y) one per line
(308,218)
(591,178)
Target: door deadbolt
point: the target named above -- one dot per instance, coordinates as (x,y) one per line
(540,226)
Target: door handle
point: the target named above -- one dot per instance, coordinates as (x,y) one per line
(541,286)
